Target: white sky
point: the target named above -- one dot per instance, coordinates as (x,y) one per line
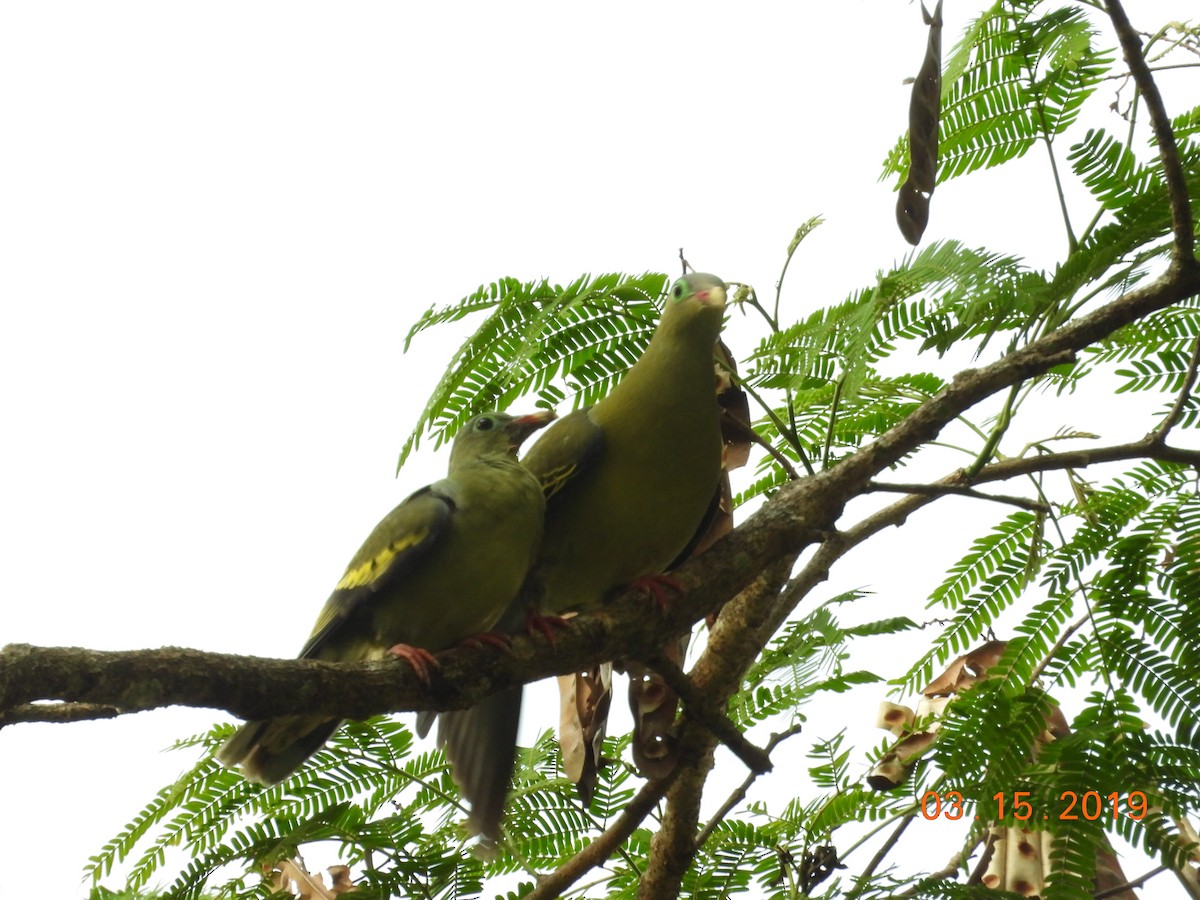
(218,221)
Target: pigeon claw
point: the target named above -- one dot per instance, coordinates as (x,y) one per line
(657,587)
(421,660)
(536,623)
(488,638)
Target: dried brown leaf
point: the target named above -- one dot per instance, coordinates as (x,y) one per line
(924,111)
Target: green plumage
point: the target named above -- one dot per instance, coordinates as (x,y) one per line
(632,477)
(628,483)
(441,566)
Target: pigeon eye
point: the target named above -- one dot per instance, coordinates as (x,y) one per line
(484,423)
(677,290)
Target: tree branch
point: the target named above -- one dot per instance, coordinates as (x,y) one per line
(598,851)
(735,640)
(948,871)
(1146,448)
(1181,212)
(863,881)
(603,847)
(751,565)
(739,793)
(58,713)
(745,432)
(759,615)
(799,514)
(1130,885)
(673,846)
(941,489)
(699,708)
(1159,435)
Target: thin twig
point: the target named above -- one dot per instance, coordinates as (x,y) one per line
(863,879)
(985,858)
(784,431)
(1058,645)
(745,431)
(1048,139)
(752,301)
(948,871)
(1156,69)
(599,850)
(739,794)
(833,414)
(1129,885)
(997,433)
(790,433)
(937,490)
(801,233)
(1106,668)
(1159,434)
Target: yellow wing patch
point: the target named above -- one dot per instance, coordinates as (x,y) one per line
(370,569)
(554,480)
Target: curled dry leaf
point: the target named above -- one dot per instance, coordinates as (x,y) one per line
(291,877)
(340,876)
(1014,859)
(585,698)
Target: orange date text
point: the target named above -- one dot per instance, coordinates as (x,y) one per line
(1090,805)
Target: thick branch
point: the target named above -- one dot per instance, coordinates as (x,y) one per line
(135,680)
(58,713)
(674,844)
(737,638)
(799,514)
(757,617)
(699,708)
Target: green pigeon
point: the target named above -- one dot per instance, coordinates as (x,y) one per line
(629,482)
(442,566)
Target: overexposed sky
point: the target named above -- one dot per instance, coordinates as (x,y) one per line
(218,221)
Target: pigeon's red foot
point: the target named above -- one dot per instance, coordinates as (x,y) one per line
(421,660)
(657,586)
(536,623)
(488,638)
